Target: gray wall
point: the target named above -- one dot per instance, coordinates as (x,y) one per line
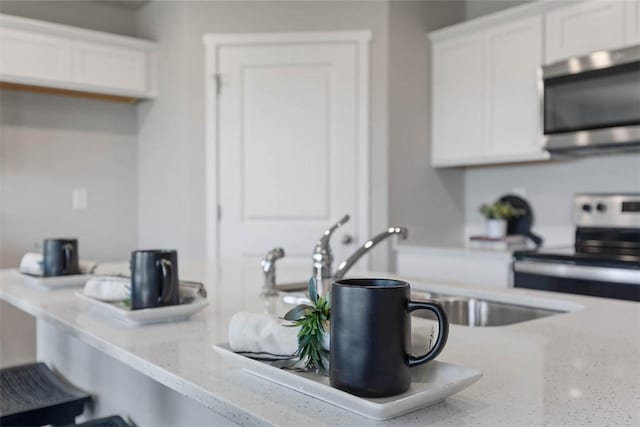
(171,129)
(100,16)
(52,144)
(428,201)
(550,187)
(477,8)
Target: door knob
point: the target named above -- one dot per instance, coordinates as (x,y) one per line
(347,239)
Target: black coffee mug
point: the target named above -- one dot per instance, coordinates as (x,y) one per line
(154,278)
(60,257)
(371,336)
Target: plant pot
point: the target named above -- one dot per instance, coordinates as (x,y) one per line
(496,228)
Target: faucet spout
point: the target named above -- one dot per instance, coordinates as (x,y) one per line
(322,255)
(346,265)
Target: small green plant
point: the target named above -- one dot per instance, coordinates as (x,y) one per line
(314,323)
(500,210)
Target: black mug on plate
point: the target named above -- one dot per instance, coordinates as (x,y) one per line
(154,278)
(371,336)
(60,257)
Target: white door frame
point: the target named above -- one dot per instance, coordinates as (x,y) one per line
(213,42)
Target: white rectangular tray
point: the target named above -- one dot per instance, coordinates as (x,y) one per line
(170,313)
(56,282)
(431,383)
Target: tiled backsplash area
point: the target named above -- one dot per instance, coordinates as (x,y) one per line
(549,187)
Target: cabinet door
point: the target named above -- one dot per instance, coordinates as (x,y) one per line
(514,54)
(30,57)
(583,28)
(632,22)
(458,100)
(110,67)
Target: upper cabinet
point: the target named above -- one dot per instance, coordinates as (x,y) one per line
(585,27)
(485,98)
(485,74)
(459,93)
(45,55)
(632,22)
(514,52)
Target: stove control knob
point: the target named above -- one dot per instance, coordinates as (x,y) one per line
(586,207)
(601,207)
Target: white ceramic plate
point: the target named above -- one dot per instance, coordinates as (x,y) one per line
(57,282)
(170,313)
(431,383)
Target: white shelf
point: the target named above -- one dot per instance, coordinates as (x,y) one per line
(43,54)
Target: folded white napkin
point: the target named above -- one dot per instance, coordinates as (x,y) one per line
(108,288)
(31,263)
(262,336)
(118,288)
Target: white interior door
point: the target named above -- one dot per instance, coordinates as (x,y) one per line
(288,131)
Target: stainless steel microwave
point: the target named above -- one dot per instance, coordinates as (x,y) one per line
(591,104)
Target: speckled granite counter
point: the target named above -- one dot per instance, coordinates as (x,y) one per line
(578,368)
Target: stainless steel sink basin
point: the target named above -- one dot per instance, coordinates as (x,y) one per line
(466,311)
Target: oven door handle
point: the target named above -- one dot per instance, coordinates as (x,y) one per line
(600,274)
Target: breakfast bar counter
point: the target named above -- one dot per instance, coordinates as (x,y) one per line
(575,368)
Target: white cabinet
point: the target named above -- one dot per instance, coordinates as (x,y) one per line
(585,27)
(514,53)
(632,22)
(459,98)
(34,56)
(105,66)
(485,96)
(488,269)
(42,54)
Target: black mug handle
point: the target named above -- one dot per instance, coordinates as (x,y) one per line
(67,248)
(167,281)
(443,330)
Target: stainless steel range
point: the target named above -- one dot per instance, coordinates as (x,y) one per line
(603,262)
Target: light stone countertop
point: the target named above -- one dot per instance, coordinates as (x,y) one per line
(578,368)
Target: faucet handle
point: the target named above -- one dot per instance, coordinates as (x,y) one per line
(323,243)
(273,255)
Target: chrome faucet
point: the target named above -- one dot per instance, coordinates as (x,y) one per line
(322,260)
(268,264)
(322,256)
(346,265)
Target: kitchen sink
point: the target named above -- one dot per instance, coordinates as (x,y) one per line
(469,311)
(466,311)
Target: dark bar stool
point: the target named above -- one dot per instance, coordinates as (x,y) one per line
(113,421)
(34,395)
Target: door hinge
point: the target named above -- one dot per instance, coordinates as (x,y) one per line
(219,212)
(218,79)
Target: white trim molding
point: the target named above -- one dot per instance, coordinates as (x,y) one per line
(212,43)
(60,30)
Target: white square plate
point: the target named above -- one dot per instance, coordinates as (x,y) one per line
(431,383)
(56,282)
(169,313)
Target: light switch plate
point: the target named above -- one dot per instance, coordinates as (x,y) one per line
(79,199)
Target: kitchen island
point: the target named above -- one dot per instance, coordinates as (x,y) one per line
(575,368)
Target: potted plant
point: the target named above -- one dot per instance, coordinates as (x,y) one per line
(497,215)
